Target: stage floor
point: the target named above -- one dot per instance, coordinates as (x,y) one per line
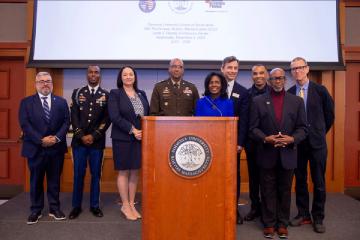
(342,222)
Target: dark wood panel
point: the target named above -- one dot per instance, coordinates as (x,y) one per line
(4,123)
(4,163)
(4,83)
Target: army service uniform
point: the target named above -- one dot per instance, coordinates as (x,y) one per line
(169,100)
(89,115)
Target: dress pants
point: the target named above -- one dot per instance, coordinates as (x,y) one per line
(254,178)
(275,185)
(51,164)
(317,160)
(81,155)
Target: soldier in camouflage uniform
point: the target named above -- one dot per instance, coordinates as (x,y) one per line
(174,96)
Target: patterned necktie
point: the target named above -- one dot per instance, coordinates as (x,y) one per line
(46,109)
(301,93)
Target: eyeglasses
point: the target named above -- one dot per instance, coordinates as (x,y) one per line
(176,66)
(42,82)
(277,78)
(298,68)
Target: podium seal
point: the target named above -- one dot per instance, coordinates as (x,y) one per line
(190,156)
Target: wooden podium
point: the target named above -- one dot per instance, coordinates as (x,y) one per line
(191,207)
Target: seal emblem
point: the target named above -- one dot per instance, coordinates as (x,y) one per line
(190,156)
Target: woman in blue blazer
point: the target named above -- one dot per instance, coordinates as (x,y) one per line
(215,101)
(127,105)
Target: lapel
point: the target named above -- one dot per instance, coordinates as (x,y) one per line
(53,108)
(310,96)
(270,108)
(236,91)
(286,108)
(39,107)
(126,99)
(143,101)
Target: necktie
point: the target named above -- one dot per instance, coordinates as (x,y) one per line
(301,93)
(46,109)
(92,91)
(176,85)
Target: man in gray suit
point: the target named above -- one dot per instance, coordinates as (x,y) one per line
(277,125)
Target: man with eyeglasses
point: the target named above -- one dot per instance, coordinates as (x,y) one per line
(174,96)
(320,117)
(44,119)
(89,120)
(277,125)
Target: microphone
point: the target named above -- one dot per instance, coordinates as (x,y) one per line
(213,105)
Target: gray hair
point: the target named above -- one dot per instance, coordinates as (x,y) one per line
(176,59)
(39,74)
(299,59)
(277,69)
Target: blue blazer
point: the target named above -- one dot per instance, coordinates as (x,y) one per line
(34,126)
(240,97)
(206,106)
(122,114)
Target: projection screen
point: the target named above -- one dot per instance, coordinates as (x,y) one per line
(148,33)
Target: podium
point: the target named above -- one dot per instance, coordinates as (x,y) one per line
(189,178)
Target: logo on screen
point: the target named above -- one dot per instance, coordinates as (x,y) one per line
(190,156)
(147,5)
(180,6)
(215,3)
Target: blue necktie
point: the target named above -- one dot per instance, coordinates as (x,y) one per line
(46,109)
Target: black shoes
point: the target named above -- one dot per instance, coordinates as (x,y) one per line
(319,227)
(33,218)
(300,220)
(96,212)
(75,213)
(58,215)
(239,219)
(252,215)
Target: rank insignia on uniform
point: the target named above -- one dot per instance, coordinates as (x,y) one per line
(102,126)
(187,91)
(166,90)
(82,98)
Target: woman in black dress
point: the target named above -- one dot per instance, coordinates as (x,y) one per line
(127,105)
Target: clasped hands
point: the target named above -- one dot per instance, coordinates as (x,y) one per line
(48,141)
(137,133)
(279,140)
(87,139)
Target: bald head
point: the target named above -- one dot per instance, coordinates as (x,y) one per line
(277,79)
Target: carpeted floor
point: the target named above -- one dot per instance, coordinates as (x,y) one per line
(342,222)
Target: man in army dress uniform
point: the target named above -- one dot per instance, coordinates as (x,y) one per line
(174,96)
(90,120)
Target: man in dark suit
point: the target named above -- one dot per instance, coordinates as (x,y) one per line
(90,120)
(240,97)
(320,117)
(277,125)
(174,96)
(44,120)
(259,75)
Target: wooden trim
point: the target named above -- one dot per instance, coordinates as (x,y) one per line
(352,54)
(13,1)
(13,49)
(351,3)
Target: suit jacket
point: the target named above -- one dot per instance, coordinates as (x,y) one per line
(319,113)
(89,115)
(240,97)
(122,114)
(35,127)
(263,123)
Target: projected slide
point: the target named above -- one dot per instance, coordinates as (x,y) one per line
(193,30)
